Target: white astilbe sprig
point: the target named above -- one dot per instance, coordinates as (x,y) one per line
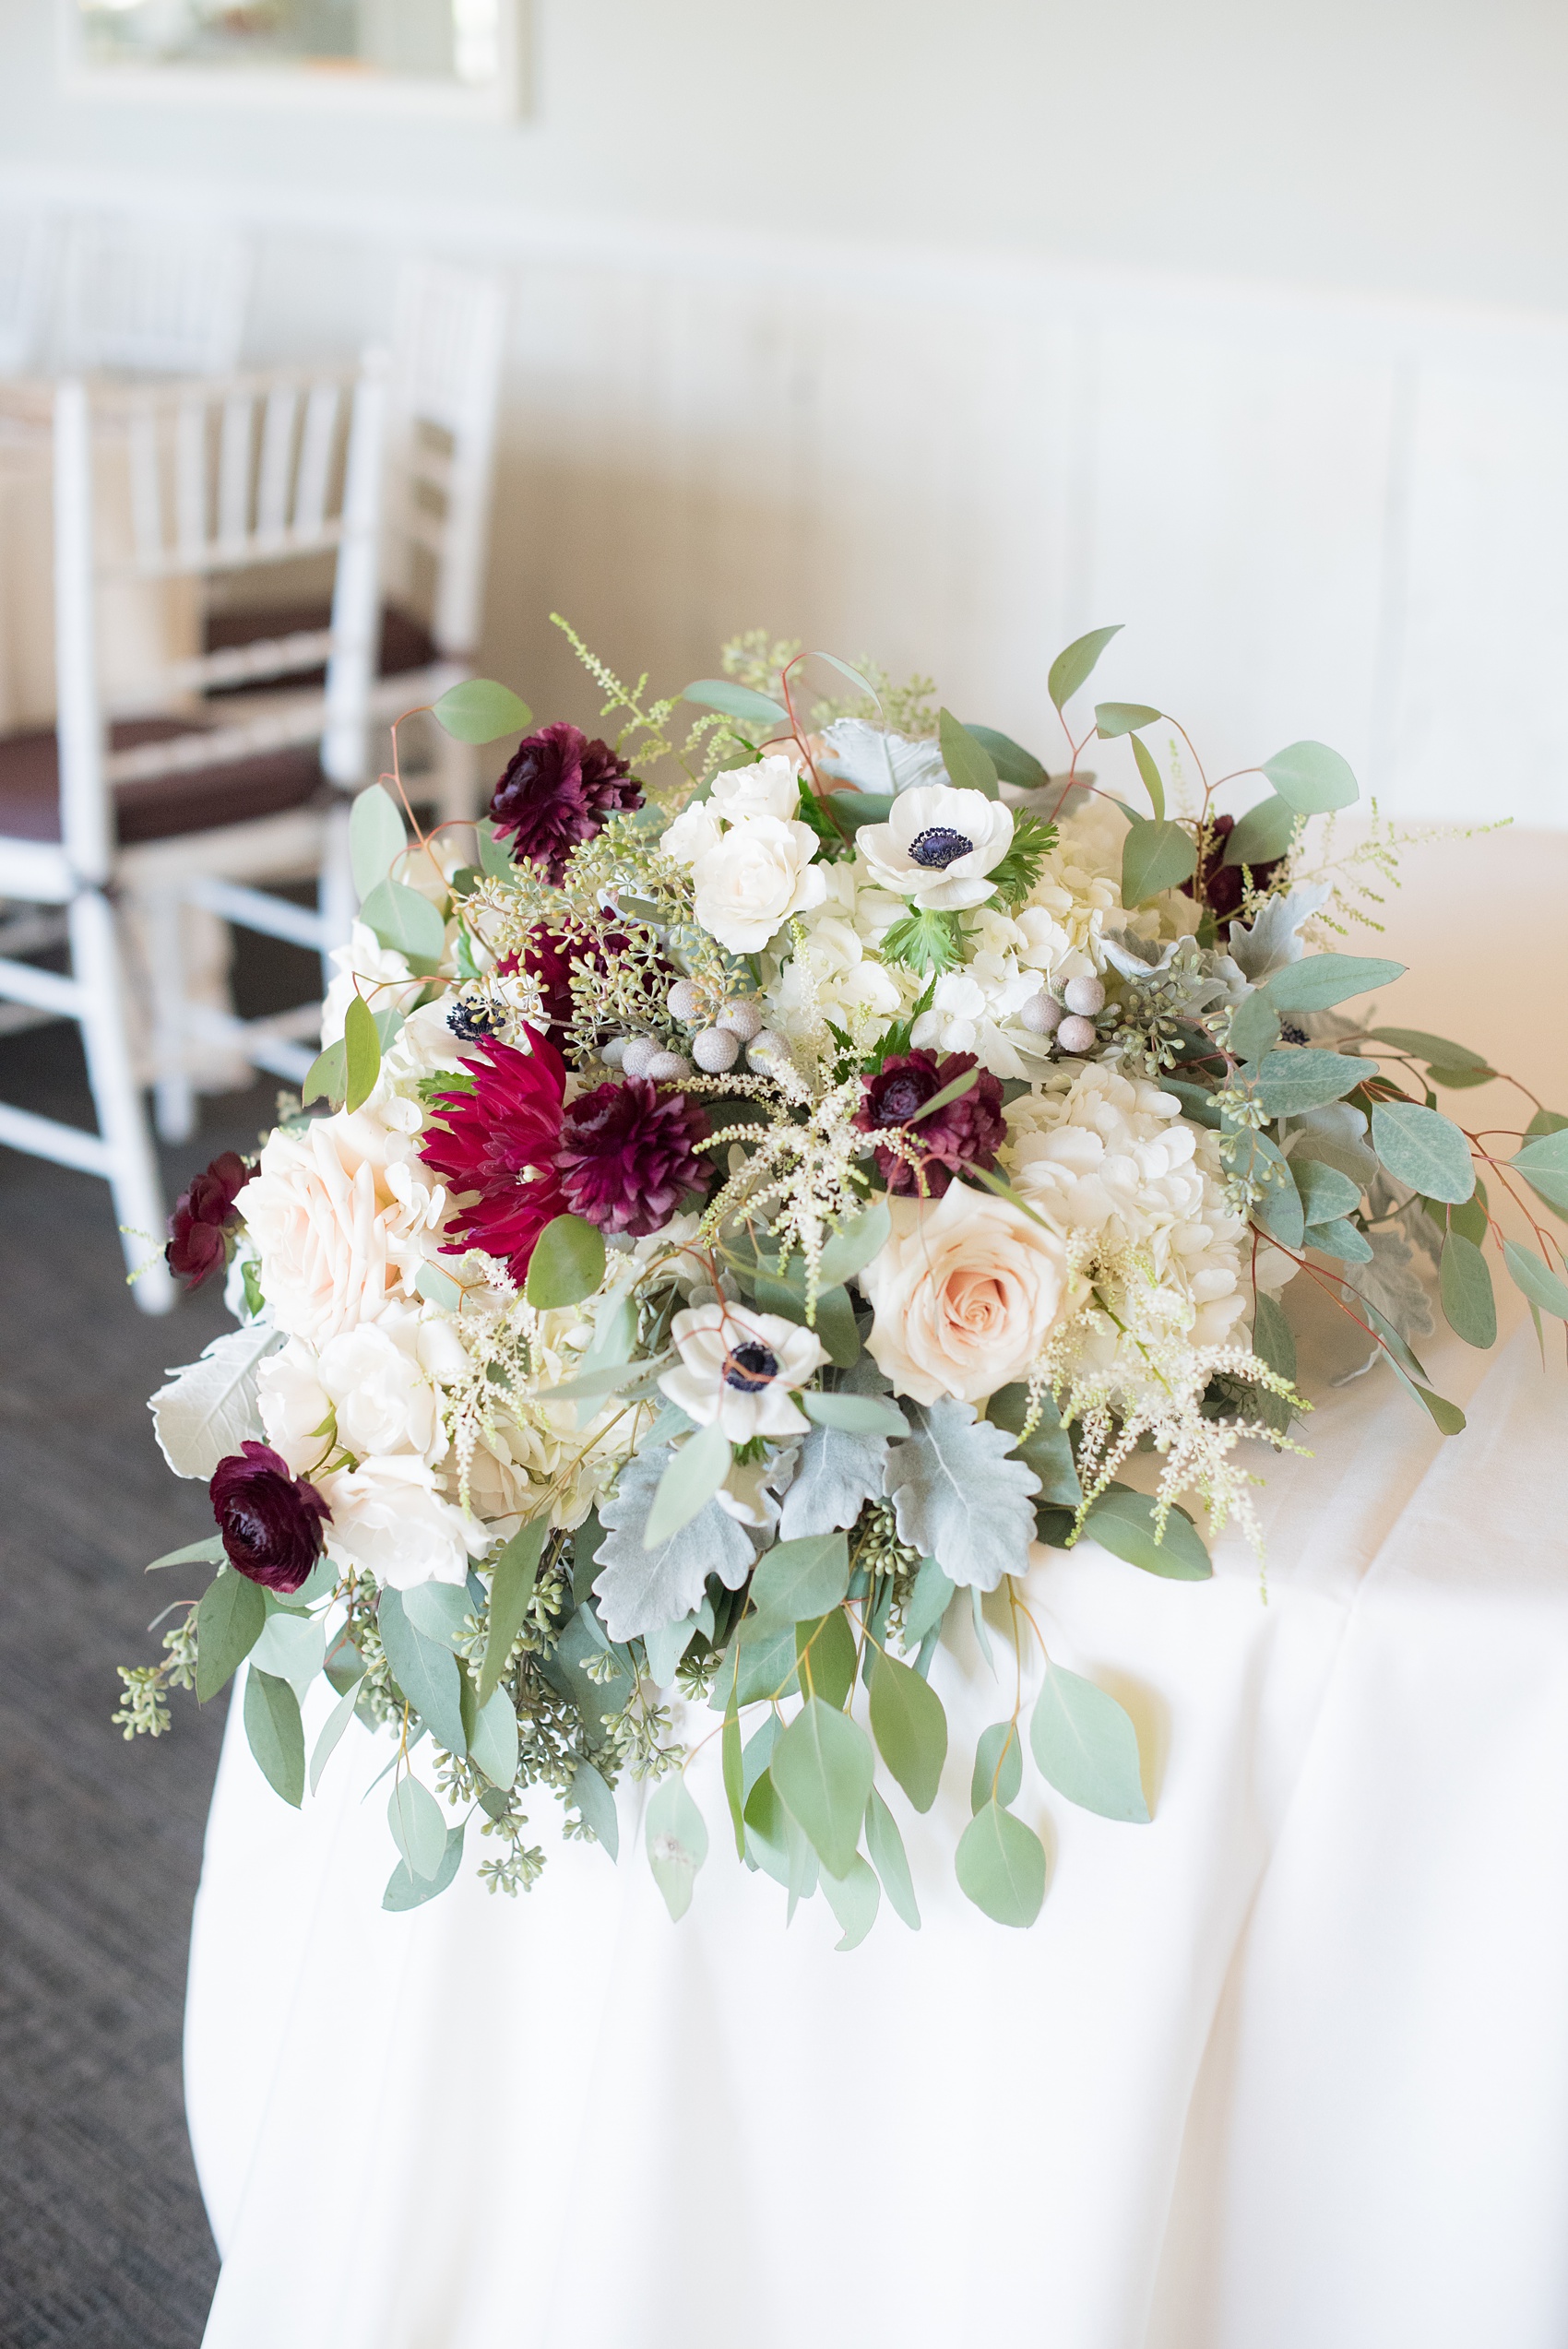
(801,1177)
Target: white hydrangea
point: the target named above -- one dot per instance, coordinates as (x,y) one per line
(835,975)
(1110,1157)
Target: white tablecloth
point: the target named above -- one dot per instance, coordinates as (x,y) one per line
(1286,2070)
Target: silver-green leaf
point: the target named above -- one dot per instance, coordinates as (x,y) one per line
(1312,778)
(1001,1867)
(567,1264)
(1424,1148)
(1087,1746)
(277,1738)
(676,1839)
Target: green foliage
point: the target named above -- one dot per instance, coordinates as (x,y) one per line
(1124,1522)
(1001,1867)
(1025,860)
(1319,981)
(1155,856)
(195,1553)
(405,1890)
(425,1672)
(722,694)
(1013,765)
(826,1647)
(852,1246)
(493,1741)
(419,1827)
(928,1602)
(1075,667)
(822,1768)
(511,1588)
(228,1625)
(1424,1148)
(1152,782)
(998,1771)
(925,940)
(676,1838)
(968,763)
(362,1054)
(1467,1300)
(1536,1280)
(1087,1746)
(1543,1161)
(1046,1450)
(1312,778)
(406,922)
(855,1414)
(1273,1344)
(480,711)
(910,1728)
(567,1264)
(1263,834)
(1302,1077)
(1255,1026)
(376,837)
(1111,718)
(327,1079)
(854,1899)
(802,1579)
(688,1484)
(332,1729)
(276,1737)
(595,1806)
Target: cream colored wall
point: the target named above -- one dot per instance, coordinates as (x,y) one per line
(942,334)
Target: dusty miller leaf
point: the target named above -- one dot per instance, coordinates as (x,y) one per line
(641,1590)
(961,1494)
(838,1472)
(211,1407)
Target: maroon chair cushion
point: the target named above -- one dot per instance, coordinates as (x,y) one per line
(406,643)
(203,799)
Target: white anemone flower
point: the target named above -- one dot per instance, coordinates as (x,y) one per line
(939,845)
(737,1367)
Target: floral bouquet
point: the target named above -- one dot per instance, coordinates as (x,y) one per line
(757,1190)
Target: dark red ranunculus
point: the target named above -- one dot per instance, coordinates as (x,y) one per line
(558,788)
(1218,884)
(498,1143)
(629,1156)
(201,1218)
(270,1520)
(965,1133)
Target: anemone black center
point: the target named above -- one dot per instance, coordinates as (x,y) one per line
(469,1023)
(750,1367)
(899,1098)
(938,846)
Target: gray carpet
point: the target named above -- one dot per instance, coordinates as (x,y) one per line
(103,2240)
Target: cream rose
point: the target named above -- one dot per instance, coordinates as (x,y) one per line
(767,786)
(752,878)
(338,1212)
(388,1520)
(966,1293)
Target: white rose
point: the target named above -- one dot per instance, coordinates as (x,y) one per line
(966,1293)
(938,846)
(338,1212)
(769,787)
(367,967)
(295,1406)
(375,1381)
(389,1521)
(754,878)
(693,832)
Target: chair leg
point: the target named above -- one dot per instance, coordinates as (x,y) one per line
(336,896)
(173,1094)
(132,1180)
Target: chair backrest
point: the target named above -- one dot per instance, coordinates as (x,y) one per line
(196,480)
(151,297)
(443,391)
(25,242)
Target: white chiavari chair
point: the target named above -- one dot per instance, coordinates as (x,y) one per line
(145,296)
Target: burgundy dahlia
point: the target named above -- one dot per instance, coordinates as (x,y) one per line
(964,1133)
(1218,884)
(201,1218)
(558,788)
(629,1156)
(271,1521)
(497,1142)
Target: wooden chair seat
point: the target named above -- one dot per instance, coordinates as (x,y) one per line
(406,643)
(203,799)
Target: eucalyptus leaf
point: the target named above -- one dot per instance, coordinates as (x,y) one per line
(802,1580)
(676,1840)
(1274,1344)
(891,1861)
(1087,1746)
(765,1667)
(1334,1236)
(1301,1077)
(1319,981)
(362,1054)
(291,1647)
(849,1251)
(1325,1191)
(406,1890)
(733,1762)
(492,1741)
(1467,1298)
(1152,784)
(724,695)
(478,711)
(1122,1521)
(1262,834)
(425,1671)
(277,1738)
(824,1646)
(767,1825)
(405,921)
(968,764)
(1013,765)
(928,1602)
(1424,1148)
(998,1773)
(332,1729)
(1543,1162)
(418,1825)
(1075,667)
(1255,1026)
(1155,856)
(328,1076)
(855,1414)
(1001,1867)
(1436,1049)
(438,1287)
(511,1588)
(1279,1210)
(642,1587)
(854,1900)
(1312,778)
(439,1611)
(960,1494)
(694,1475)
(822,1768)
(1113,719)
(495,856)
(376,837)
(910,1728)
(595,1806)
(567,1264)
(196,1553)
(228,1624)
(1534,1280)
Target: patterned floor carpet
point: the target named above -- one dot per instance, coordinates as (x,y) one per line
(103,2240)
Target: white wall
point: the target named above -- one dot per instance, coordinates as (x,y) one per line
(942,334)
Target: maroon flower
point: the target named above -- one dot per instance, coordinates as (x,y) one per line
(1218,884)
(557,789)
(271,1521)
(201,1218)
(965,1134)
(498,1143)
(629,1156)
